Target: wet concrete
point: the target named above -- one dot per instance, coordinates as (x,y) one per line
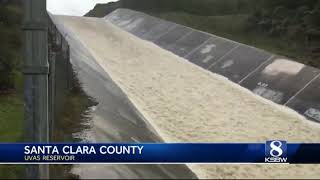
(114,119)
(210,52)
(158,30)
(307,102)
(141,25)
(145,25)
(190,42)
(172,36)
(135,24)
(280,79)
(121,17)
(240,62)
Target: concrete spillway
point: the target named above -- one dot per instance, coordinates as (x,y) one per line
(114,119)
(149,94)
(273,77)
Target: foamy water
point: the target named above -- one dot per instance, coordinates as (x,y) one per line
(184,103)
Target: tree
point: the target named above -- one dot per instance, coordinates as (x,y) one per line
(10,44)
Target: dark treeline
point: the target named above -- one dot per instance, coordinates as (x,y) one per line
(205,7)
(202,7)
(296,20)
(10,43)
(198,7)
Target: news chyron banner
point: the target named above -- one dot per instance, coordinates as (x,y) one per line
(238,153)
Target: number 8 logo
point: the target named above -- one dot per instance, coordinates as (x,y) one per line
(276,150)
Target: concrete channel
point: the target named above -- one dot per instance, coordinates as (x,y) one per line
(114,119)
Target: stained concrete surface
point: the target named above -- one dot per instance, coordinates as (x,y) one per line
(158,30)
(172,36)
(307,102)
(121,17)
(240,62)
(185,45)
(146,23)
(280,79)
(210,52)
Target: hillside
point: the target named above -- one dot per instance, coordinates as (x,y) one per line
(11,83)
(10,44)
(285,27)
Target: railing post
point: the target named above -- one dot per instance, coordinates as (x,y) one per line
(52,58)
(36,70)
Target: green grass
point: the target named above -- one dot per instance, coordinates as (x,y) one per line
(12,171)
(12,125)
(70,121)
(11,118)
(11,130)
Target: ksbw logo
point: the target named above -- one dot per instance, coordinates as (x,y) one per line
(276,152)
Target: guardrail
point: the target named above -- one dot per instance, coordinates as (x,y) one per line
(61,74)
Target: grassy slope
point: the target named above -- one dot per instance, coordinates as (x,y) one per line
(11,105)
(11,130)
(72,120)
(11,118)
(11,125)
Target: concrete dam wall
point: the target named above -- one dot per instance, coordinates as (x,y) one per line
(149,94)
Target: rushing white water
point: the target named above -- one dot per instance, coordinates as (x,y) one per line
(114,119)
(184,103)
